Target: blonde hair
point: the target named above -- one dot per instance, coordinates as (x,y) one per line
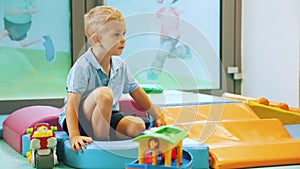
(98,17)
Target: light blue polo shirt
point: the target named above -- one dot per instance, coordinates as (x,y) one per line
(20,5)
(87,74)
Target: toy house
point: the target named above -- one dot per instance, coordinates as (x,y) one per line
(162,147)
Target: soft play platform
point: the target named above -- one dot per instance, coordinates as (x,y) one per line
(16,124)
(234,136)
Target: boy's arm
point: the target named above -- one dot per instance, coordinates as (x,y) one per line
(33,9)
(76,139)
(140,96)
(72,113)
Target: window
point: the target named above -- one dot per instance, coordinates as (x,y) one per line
(35,49)
(65,29)
(174,43)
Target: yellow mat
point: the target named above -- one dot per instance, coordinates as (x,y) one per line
(212,112)
(236,137)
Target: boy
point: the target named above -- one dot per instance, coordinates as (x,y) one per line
(96,82)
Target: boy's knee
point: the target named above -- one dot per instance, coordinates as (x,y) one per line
(104,94)
(135,129)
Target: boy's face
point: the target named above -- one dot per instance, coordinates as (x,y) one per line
(113,37)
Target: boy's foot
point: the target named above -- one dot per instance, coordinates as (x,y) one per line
(49,47)
(185,52)
(152,76)
(188,52)
(4,34)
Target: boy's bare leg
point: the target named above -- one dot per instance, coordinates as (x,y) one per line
(98,108)
(30,42)
(4,34)
(130,127)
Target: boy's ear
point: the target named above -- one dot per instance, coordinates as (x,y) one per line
(96,39)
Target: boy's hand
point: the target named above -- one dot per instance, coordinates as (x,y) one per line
(77,142)
(160,120)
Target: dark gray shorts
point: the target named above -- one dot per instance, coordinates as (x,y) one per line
(17,32)
(115,119)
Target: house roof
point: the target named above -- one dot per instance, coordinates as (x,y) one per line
(169,133)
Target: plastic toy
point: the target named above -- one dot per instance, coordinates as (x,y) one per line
(264,108)
(42,152)
(152,88)
(162,148)
(262,100)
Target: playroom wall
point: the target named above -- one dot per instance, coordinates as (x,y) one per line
(270,49)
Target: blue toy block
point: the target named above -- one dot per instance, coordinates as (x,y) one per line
(199,151)
(2,118)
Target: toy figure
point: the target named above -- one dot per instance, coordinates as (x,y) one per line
(169,36)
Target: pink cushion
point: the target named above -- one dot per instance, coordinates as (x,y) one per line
(128,105)
(17,123)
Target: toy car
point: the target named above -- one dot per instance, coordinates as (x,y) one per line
(43,142)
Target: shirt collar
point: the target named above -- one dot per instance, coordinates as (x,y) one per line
(92,59)
(115,65)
